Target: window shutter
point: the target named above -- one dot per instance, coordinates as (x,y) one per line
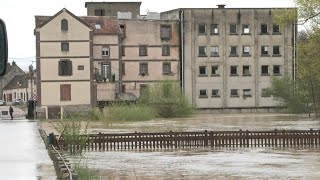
(60,68)
(69,67)
(123,68)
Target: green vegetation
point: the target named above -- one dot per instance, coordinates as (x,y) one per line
(302,95)
(167,100)
(86,173)
(129,112)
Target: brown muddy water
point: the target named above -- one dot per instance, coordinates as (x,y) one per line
(210,163)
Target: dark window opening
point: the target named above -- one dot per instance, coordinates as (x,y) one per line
(81,67)
(202,51)
(64,25)
(233,70)
(215,93)
(276,70)
(233,29)
(276,28)
(99,12)
(214,70)
(264,29)
(202,70)
(233,51)
(276,50)
(234,92)
(203,93)
(65,67)
(246,70)
(264,70)
(123,30)
(165,32)
(202,29)
(264,50)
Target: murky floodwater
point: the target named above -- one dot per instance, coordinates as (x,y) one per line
(22,152)
(208,163)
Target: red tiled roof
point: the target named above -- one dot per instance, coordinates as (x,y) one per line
(108,25)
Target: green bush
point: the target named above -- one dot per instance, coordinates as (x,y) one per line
(86,173)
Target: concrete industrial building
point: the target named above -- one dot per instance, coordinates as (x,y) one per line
(230,55)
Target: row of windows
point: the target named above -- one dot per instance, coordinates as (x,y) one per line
(233,50)
(234,29)
(65,68)
(105,51)
(203,93)
(246,70)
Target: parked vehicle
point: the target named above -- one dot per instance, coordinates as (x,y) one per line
(17,102)
(2,103)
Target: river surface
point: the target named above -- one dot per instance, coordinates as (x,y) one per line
(210,163)
(23,155)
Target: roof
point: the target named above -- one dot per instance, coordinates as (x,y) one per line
(17,82)
(134,2)
(109,25)
(57,14)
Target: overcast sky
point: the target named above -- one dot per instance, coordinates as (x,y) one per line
(19,17)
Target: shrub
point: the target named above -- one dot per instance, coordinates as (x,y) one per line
(129,112)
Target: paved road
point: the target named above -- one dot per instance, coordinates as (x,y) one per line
(22,152)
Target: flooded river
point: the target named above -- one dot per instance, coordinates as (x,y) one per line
(208,163)
(23,155)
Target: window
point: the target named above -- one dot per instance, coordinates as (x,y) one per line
(123,50)
(203,93)
(81,67)
(265,93)
(246,71)
(264,50)
(245,29)
(276,70)
(65,92)
(123,88)
(143,51)
(264,29)
(165,32)
(215,93)
(64,46)
(202,70)
(233,70)
(123,68)
(276,50)
(214,29)
(106,72)
(105,51)
(233,50)
(247,93)
(202,29)
(214,51)
(246,50)
(234,93)
(233,29)
(64,25)
(143,69)
(202,51)
(99,12)
(65,67)
(165,50)
(264,70)
(276,29)
(123,30)
(166,68)
(214,70)
(97,26)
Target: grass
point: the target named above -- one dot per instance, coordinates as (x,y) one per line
(86,173)
(131,112)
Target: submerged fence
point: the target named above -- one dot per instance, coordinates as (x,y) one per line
(276,138)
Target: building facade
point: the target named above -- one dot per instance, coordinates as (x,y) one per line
(230,56)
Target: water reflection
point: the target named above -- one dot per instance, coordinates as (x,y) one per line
(23,154)
(217,163)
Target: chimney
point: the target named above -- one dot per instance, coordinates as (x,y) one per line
(13,63)
(221,6)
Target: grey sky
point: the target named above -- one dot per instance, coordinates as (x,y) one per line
(19,17)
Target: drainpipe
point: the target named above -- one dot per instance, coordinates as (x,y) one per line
(181,18)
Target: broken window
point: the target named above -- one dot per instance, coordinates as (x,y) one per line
(233,70)
(246,70)
(233,50)
(202,29)
(202,51)
(276,70)
(233,29)
(214,51)
(276,28)
(265,70)
(214,29)
(203,93)
(247,93)
(214,70)
(202,70)
(234,92)
(246,50)
(264,50)
(245,29)
(99,12)
(215,93)
(264,29)
(276,50)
